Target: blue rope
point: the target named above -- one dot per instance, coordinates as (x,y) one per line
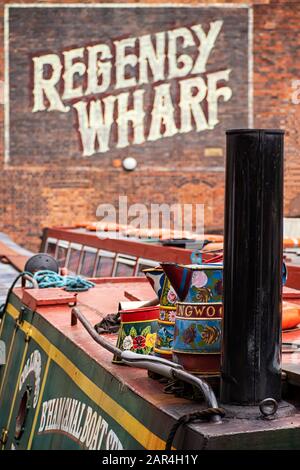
(47,279)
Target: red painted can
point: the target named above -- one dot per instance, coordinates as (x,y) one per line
(138,328)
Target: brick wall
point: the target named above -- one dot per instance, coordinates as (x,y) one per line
(34,195)
(276,66)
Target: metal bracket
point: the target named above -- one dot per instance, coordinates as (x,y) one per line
(20,319)
(268,407)
(4,436)
(28,335)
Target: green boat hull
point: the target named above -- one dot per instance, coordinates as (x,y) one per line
(73,403)
(54,395)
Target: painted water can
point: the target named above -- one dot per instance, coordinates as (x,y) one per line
(168,296)
(167,299)
(167,312)
(197,337)
(156,277)
(138,329)
(165,332)
(196,283)
(161,286)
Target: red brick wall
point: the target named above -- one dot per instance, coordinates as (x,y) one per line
(34,196)
(276,66)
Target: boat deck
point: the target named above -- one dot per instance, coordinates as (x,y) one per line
(104,299)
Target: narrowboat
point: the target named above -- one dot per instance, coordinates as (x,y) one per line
(61,386)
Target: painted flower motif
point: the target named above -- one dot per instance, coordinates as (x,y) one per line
(203,294)
(172,315)
(162,314)
(219,287)
(172,297)
(159,338)
(164,338)
(189,334)
(139,342)
(150,340)
(199,279)
(211,334)
(127,343)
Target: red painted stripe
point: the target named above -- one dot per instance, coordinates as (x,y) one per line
(140,314)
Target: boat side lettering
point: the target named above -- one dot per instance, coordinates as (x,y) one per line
(80,422)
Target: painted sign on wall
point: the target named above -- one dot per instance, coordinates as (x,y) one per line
(160,83)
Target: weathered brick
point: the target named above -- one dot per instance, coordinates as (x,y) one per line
(37,195)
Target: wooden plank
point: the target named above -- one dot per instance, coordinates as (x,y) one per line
(8,254)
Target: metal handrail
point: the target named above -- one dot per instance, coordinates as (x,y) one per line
(155,364)
(28,277)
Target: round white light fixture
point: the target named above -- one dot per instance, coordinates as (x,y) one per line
(129,163)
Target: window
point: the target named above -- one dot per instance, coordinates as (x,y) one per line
(144,264)
(125,266)
(50,247)
(62,251)
(105,263)
(88,261)
(74,257)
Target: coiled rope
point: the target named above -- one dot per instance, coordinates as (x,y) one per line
(46,278)
(188,418)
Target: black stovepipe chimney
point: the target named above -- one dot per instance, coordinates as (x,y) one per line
(251,344)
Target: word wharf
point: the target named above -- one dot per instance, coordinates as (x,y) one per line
(167,88)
